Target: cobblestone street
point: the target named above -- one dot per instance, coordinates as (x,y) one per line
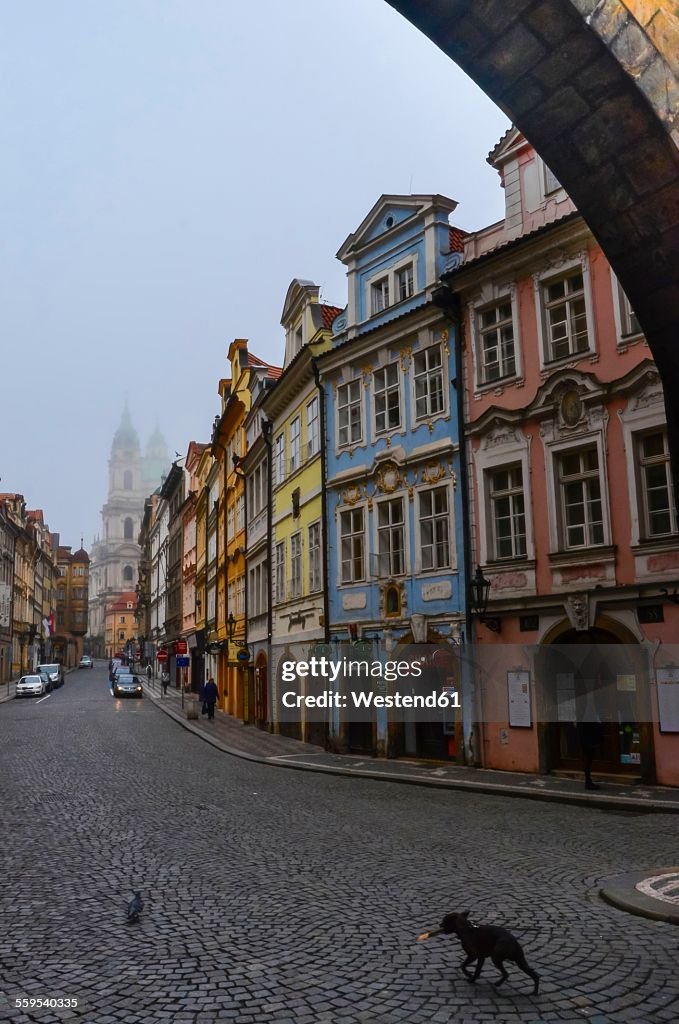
(278,897)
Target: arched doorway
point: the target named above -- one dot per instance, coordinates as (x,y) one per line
(434,736)
(596,680)
(261,691)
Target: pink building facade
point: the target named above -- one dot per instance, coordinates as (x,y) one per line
(573,520)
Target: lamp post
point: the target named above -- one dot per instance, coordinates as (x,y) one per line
(479,592)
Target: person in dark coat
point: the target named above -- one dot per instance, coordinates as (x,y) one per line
(590,735)
(210,696)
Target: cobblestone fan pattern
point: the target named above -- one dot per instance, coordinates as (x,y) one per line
(277,897)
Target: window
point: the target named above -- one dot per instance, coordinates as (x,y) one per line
(295,444)
(428,382)
(128,573)
(379,292)
(121,634)
(391,537)
(279,562)
(435,529)
(128,529)
(581,506)
(240,595)
(279,458)
(566,316)
(387,393)
(257,492)
(212,546)
(352,542)
(211,603)
(552,183)
(508,518)
(299,340)
(122,620)
(61,594)
(296,565)
(496,355)
(315,580)
(127,480)
(229,523)
(653,460)
(349,413)
(404,282)
(231,595)
(240,513)
(313,432)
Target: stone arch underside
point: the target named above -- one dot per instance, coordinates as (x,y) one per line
(594,86)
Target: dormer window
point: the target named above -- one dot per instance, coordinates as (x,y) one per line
(298,342)
(380,295)
(552,183)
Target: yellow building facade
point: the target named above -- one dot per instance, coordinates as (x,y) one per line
(295,410)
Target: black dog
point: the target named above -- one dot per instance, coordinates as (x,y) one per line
(482,942)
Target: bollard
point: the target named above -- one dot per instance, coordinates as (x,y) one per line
(192,706)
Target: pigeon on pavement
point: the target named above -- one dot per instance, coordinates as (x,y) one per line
(134,908)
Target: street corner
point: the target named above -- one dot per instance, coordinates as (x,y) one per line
(653,893)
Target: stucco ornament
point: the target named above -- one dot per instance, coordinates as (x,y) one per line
(432,473)
(578,611)
(352,495)
(388,478)
(571,408)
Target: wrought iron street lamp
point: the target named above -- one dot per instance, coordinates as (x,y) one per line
(478,599)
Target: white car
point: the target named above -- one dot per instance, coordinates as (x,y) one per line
(31,686)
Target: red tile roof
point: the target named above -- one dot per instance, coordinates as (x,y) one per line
(329,313)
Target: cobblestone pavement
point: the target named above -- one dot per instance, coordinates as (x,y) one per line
(291,898)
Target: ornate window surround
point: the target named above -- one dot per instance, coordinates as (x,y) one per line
(352,506)
(431,342)
(390,271)
(559,265)
(500,446)
(490,294)
(452,546)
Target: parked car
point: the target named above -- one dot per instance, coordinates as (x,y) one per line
(86,662)
(32,686)
(127,685)
(54,672)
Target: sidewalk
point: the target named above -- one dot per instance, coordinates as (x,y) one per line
(252,744)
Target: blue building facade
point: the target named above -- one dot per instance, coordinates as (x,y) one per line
(396,573)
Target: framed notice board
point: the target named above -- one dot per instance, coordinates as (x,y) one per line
(667,685)
(518,697)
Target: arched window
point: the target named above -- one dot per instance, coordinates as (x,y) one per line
(392,601)
(128,574)
(129,529)
(127,480)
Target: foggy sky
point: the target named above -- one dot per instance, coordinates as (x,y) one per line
(168,167)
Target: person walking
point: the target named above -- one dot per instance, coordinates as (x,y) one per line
(165,680)
(210,696)
(149,672)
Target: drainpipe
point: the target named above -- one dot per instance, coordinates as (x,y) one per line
(267,432)
(448,303)
(324,502)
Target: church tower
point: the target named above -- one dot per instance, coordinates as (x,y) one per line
(116,554)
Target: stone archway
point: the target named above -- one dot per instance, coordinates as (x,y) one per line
(594,86)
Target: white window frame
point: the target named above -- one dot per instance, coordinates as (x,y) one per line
(315,555)
(452,551)
(279,457)
(296,565)
(476,311)
(351,443)
(636,421)
(490,506)
(279,564)
(381,431)
(295,444)
(365,553)
(579,264)
(623,314)
(240,513)
(417,421)
(240,595)
(390,274)
(486,460)
(313,427)
(405,525)
(549,183)
(552,452)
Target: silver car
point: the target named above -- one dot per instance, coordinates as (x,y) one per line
(31,686)
(127,685)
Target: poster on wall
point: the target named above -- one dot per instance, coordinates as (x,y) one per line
(667,684)
(518,695)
